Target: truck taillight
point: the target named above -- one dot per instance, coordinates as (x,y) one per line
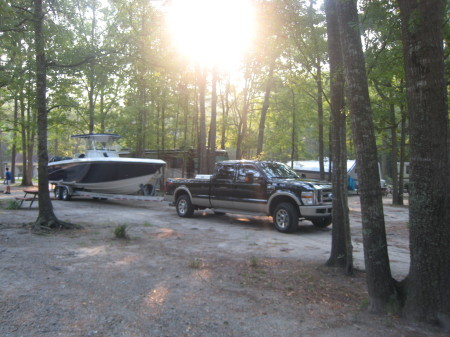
(167,185)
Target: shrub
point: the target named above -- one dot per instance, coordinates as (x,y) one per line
(120,232)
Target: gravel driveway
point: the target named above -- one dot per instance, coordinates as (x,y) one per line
(206,276)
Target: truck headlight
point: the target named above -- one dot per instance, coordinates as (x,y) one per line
(308,198)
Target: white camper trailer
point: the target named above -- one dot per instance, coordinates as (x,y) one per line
(310,169)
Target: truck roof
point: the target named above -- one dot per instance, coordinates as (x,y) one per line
(238,161)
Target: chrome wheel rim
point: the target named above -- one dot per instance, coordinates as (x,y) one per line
(282,218)
(182,207)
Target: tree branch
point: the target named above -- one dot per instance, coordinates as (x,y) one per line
(88,59)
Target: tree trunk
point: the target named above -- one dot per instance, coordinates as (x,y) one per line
(213,124)
(294,123)
(46,217)
(320,117)
(14,144)
(341,245)
(203,163)
(225,109)
(91,99)
(401,170)
(31,138)
(394,154)
(380,284)
(428,286)
(265,108)
(23,133)
(243,123)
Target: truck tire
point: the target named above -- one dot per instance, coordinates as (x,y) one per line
(321,222)
(285,218)
(184,206)
(65,194)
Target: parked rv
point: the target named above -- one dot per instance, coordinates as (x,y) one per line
(310,169)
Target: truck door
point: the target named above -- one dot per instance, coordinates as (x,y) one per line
(250,189)
(221,194)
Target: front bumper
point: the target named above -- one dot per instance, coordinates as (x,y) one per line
(316,211)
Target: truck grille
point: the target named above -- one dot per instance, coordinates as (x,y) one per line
(325,196)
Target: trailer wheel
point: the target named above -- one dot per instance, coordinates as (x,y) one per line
(65,194)
(184,206)
(285,218)
(57,193)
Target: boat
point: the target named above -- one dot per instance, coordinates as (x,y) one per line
(101,169)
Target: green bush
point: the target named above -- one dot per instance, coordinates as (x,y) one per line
(120,232)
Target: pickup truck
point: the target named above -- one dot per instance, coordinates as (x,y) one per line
(250,187)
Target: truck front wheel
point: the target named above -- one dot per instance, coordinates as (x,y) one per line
(285,218)
(322,222)
(184,206)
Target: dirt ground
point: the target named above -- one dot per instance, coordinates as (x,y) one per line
(206,276)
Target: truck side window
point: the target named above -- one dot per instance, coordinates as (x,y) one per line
(225,172)
(248,174)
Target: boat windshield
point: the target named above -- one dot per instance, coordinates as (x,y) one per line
(100,145)
(278,170)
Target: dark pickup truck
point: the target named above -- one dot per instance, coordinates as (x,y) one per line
(254,188)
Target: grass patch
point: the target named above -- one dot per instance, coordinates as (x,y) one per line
(120,232)
(195,264)
(254,262)
(12,204)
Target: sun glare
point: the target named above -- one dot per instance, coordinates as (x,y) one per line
(212,32)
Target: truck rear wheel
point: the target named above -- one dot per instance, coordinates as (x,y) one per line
(285,218)
(184,206)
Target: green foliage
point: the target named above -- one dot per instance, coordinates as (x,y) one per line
(120,232)
(12,204)
(120,73)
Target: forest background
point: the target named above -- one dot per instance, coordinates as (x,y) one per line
(83,67)
(113,67)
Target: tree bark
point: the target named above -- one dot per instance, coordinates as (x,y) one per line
(380,284)
(46,217)
(428,286)
(213,124)
(265,108)
(225,110)
(203,162)
(401,170)
(242,128)
(320,118)
(46,214)
(394,154)
(14,144)
(23,133)
(341,245)
(293,130)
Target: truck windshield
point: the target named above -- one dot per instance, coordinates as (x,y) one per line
(278,170)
